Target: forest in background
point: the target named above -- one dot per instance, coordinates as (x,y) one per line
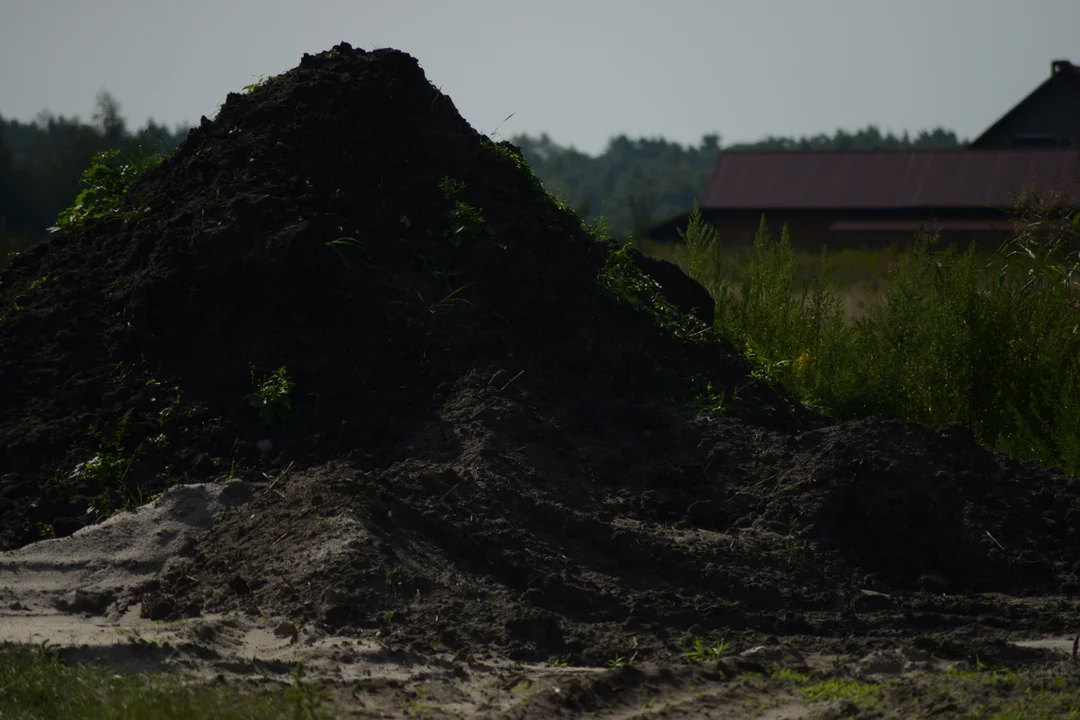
(636,183)
(41,163)
(633,182)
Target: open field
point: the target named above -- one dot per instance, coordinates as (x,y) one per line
(338,386)
(861,275)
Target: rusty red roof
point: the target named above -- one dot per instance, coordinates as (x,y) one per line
(964,178)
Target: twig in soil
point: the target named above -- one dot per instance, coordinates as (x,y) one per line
(1076,647)
(281,537)
(275,481)
(455,487)
(511,380)
(995,541)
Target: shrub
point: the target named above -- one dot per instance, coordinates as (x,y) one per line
(989,340)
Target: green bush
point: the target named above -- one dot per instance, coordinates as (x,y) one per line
(989,340)
(106,182)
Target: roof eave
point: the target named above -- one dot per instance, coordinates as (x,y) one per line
(976,143)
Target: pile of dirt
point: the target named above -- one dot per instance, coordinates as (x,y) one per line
(342,221)
(495,438)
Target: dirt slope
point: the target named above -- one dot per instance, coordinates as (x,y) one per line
(495,442)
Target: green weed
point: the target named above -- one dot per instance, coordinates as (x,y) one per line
(833,689)
(702,652)
(447,300)
(600,230)
(341,244)
(107,470)
(38,529)
(304,699)
(271,395)
(106,182)
(263,81)
(465,222)
(720,403)
(508,154)
(788,675)
(636,288)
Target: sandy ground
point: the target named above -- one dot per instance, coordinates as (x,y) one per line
(80,595)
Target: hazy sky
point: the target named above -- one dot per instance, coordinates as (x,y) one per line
(582,70)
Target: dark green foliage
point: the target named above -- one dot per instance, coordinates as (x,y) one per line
(987,340)
(270,395)
(42,164)
(104,184)
(464,222)
(636,288)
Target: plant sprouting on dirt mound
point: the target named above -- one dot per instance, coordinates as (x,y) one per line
(636,288)
(601,231)
(512,155)
(465,222)
(271,395)
(708,399)
(263,81)
(339,245)
(107,474)
(701,255)
(108,179)
(702,652)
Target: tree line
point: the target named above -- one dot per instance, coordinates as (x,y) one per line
(42,161)
(633,182)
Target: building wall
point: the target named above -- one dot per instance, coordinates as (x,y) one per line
(1053,111)
(810,231)
(737,229)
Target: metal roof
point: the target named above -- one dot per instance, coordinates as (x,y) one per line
(1060,71)
(955,179)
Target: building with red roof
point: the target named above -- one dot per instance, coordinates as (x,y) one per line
(860,198)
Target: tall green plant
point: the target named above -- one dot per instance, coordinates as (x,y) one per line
(792,331)
(701,254)
(108,179)
(990,340)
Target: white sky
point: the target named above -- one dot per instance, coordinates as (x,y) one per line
(582,70)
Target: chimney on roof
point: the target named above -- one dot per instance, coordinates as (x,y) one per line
(1058,65)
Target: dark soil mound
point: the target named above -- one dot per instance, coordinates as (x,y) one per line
(492,437)
(309,226)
